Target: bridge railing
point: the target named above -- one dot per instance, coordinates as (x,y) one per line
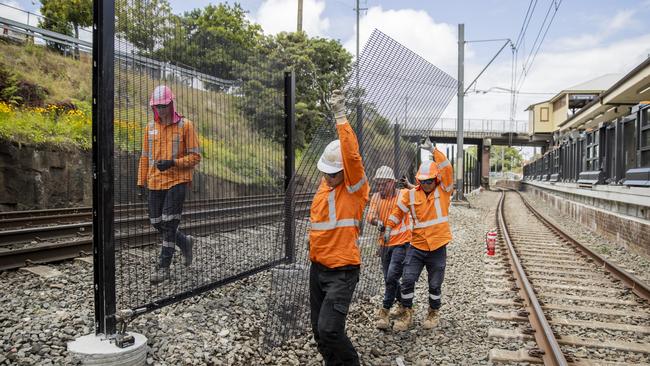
(469,125)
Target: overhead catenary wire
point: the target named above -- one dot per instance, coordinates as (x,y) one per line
(519,79)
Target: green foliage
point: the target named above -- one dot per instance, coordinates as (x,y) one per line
(51,77)
(66,16)
(505,158)
(214,40)
(320,66)
(144,23)
(45,126)
(8,86)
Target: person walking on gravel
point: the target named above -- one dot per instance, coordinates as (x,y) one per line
(393,251)
(335,216)
(170,151)
(428,204)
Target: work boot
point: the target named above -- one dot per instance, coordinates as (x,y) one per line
(397,311)
(405,321)
(186,250)
(383,321)
(162,274)
(433,318)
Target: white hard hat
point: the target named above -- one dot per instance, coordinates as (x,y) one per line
(384,172)
(331,161)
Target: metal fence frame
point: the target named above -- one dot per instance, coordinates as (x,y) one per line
(104,280)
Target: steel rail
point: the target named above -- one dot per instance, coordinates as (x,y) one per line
(52,252)
(632,282)
(40,233)
(544,335)
(12,216)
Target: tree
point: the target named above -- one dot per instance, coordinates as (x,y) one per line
(63,15)
(320,66)
(214,40)
(505,158)
(144,23)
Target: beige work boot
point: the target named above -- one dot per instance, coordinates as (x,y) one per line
(397,311)
(161,274)
(432,319)
(405,321)
(383,321)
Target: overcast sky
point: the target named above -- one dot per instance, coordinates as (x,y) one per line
(587,38)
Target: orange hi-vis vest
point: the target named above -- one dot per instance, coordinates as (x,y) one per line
(429,212)
(336,213)
(175,141)
(380,209)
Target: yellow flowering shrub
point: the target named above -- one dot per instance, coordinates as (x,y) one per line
(50,125)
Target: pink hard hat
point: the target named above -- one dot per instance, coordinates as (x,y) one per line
(161,95)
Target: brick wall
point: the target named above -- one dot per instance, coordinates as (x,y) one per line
(629,231)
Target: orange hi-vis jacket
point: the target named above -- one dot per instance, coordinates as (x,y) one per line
(336,213)
(380,209)
(429,211)
(175,141)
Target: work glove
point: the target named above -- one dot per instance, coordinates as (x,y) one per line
(404,182)
(387,235)
(337,103)
(141,193)
(163,165)
(428,145)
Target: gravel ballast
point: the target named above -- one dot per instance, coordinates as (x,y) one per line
(227,326)
(607,247)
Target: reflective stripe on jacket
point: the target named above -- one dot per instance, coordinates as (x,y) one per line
(429,212)
(176,141)
(380,209)
(336,212)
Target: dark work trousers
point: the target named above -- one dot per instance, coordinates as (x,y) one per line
(392,262)
(330,294)
(165,209)
(435,262)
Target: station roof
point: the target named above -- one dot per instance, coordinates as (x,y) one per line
(614,102)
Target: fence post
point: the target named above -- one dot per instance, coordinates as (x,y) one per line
(102,145)
(289,164)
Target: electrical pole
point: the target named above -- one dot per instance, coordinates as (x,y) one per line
(299,15)
(461,95)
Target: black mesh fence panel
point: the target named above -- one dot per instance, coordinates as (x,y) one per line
(199,158)
(392,87)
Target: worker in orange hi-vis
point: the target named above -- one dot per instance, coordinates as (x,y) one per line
(393,251)
(170,151)
(428,204)
(335,217)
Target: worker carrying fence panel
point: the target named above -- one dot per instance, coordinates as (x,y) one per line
(170,151)
(335,217)
(393,250)
(428,204)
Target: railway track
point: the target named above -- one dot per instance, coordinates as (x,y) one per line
(34,218)
(43,244)
(33,235)
(575,306)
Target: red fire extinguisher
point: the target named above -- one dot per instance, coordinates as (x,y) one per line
(491,241)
